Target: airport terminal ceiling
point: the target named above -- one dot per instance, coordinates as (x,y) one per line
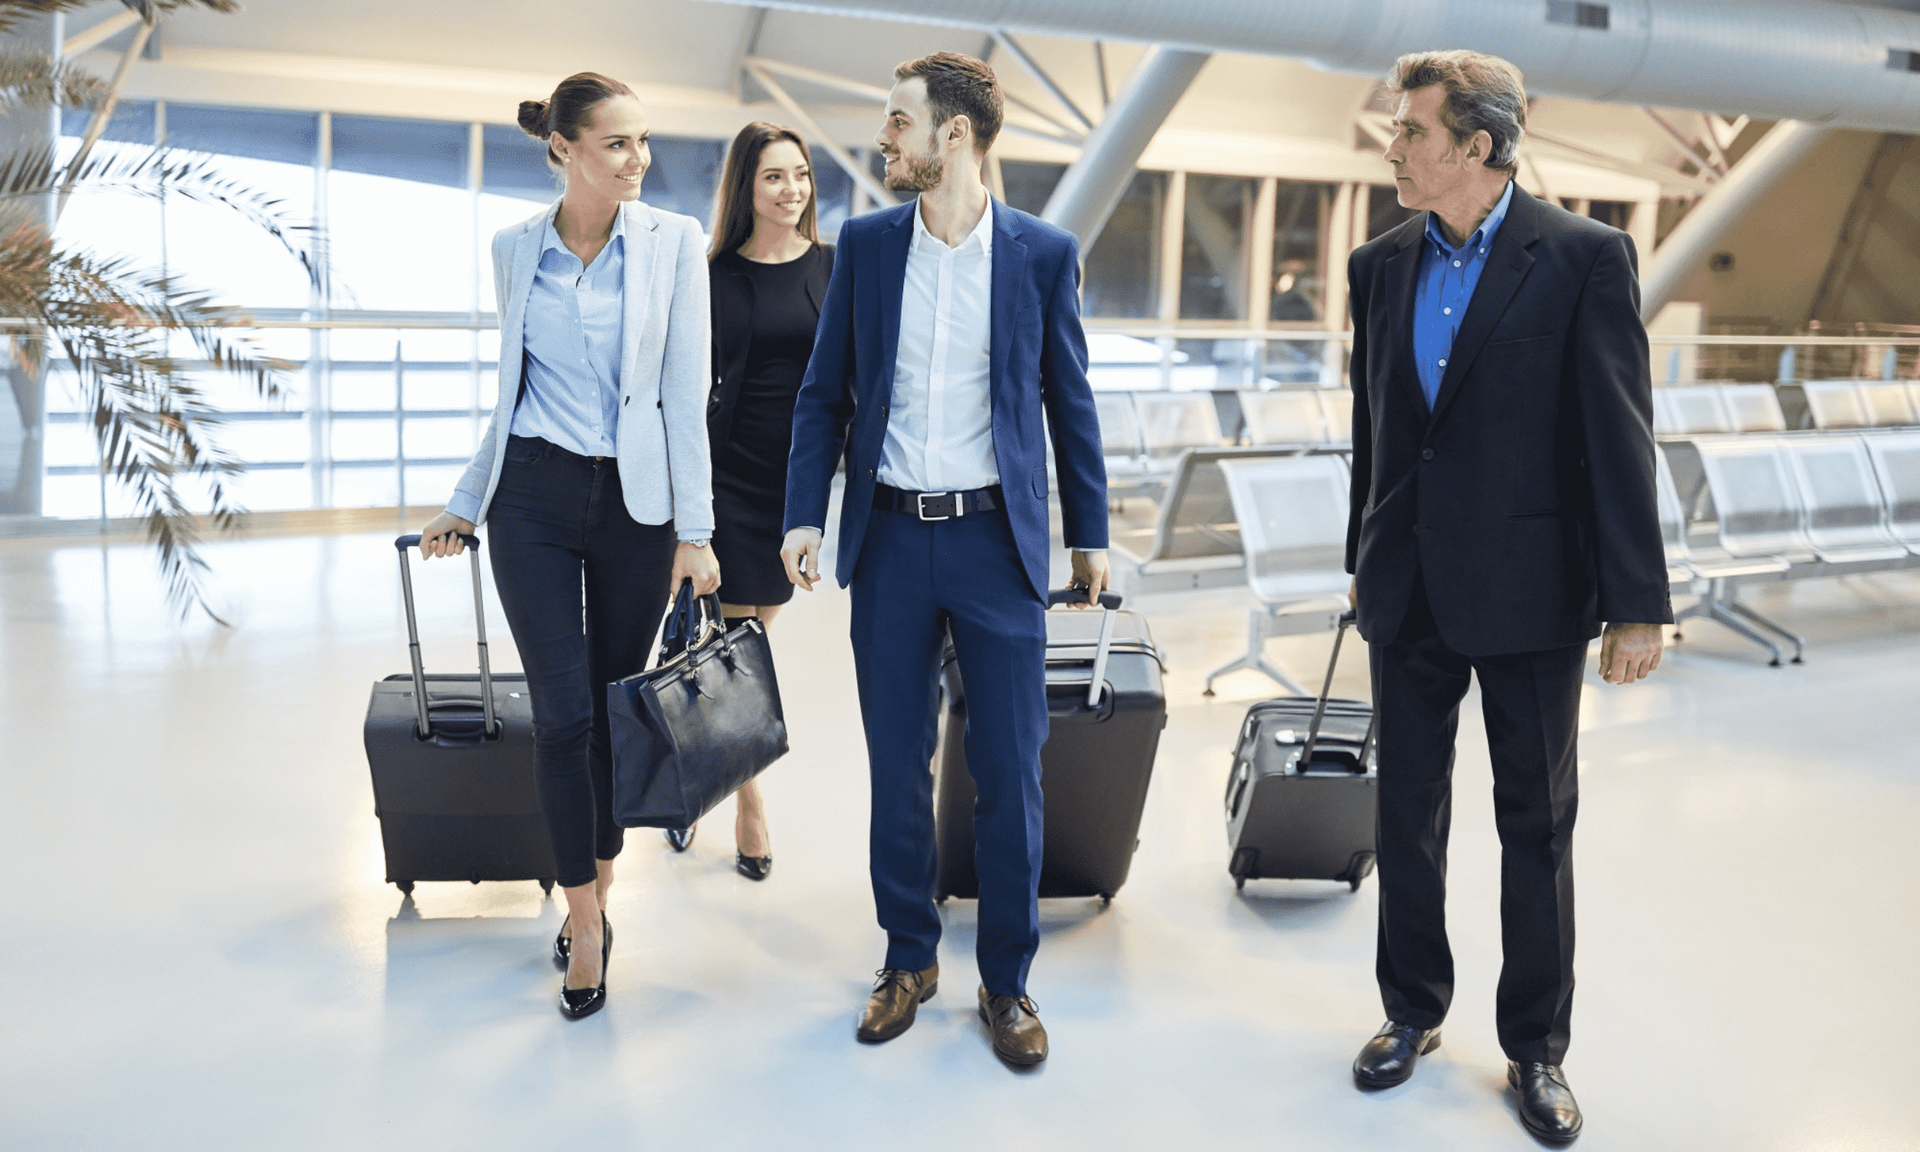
(1245,115)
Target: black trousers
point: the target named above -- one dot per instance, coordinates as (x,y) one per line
(584,587)
(1531,704)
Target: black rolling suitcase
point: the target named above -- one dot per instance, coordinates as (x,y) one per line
(452,762)
(1106,707)
(1303,791)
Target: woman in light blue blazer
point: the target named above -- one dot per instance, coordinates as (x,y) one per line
(593,478)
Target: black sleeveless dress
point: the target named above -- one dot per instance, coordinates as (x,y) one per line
(750,464)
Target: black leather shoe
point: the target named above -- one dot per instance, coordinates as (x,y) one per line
(680,839)
(752,867)
(1389,1057)
(1547,1106)
(578,1002)
(563,944)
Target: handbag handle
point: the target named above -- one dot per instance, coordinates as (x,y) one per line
(686,628)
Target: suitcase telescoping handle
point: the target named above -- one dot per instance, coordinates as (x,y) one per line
(1109,601)
(412,540)
(1320,706)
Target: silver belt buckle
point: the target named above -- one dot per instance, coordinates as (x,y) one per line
(920,505)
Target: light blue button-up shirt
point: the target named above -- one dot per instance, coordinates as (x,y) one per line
(573,348)
(1448,276)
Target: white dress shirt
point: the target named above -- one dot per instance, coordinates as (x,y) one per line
(940,420)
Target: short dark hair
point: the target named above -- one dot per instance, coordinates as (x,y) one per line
(569,108)
(733,214)
(959,85)
(1484,94)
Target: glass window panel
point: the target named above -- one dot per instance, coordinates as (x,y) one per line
(362,390)
(1029,183)
(832,195)
(1293,362)
(228,392)
(363,439)
(1299,284)
(370,487)
(514,164)
(1214,250)
(264,441)
(1122,279)
(254,133)
(116,224)
(683,176)
(450,438)
(213,247)
(423,151)
(132,122)
(431,484)
(273,489)
(438,390)
(1384,213)
(399,244)
(68,444)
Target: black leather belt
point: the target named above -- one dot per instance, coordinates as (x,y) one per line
(932,506)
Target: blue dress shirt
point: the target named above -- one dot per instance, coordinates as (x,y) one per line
(572,345)
(1448,276)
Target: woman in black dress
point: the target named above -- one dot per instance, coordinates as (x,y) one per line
(767,274)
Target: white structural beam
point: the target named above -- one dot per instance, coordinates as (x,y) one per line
(91,38)
(103,113)
(1032,68)
(1094,183)
(1691,241)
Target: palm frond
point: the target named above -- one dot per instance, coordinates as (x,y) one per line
(150,421)
(12,12)
(143,170)
(32,79)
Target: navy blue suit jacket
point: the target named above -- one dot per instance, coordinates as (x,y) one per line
(1039,356)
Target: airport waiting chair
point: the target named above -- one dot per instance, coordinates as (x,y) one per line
(1664,423)
(1336,404)
(1292,514)
(1120,440)
(1722,575)
(1846,515)
(1760,518)
(1290,416)
(1697,409)
(1172,422)
(1913,398)
(1834,404)
(1896,465)
(1886,404)
(1753,408)
(1195,539)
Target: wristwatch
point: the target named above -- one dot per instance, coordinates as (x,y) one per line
(698,543)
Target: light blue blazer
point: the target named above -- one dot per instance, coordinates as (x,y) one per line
(665,469)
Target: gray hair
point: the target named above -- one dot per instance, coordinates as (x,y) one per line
(1484,94)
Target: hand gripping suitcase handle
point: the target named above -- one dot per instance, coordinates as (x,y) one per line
(424,725)
(1109,602)
(1320,706)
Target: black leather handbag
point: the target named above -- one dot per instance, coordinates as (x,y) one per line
(705,721)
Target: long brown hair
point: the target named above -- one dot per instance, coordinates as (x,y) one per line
(733,213)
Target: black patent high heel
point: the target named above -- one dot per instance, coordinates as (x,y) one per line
(752,867)
(578,1002)
(680,839)
(562,945)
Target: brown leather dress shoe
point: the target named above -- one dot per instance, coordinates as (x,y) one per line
(1018,1037)
(897,995)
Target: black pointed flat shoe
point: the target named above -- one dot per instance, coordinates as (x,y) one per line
(680,839)
(576,1003)
(752,867)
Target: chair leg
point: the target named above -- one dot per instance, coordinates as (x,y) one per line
(1799,645)
(1255,657)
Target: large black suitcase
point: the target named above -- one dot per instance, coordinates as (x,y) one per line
(1105,707)
(452,763)
(1303,792)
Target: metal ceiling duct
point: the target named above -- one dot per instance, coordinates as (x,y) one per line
(1840,65)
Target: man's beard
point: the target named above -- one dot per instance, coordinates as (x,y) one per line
(923,173)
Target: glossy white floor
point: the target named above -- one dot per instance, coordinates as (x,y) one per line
(197,950)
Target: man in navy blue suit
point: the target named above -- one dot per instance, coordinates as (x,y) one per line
(949,348)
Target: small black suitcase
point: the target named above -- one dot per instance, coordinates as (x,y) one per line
(1302,794)
(1105,707)
(452,763)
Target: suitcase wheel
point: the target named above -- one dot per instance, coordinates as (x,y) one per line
(1239,882)
(473,876)
(1243,864)
(1358,869)
(405,886)
(1106,898)
(546,886)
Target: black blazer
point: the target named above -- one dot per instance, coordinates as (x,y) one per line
(731,298)
(1526,498)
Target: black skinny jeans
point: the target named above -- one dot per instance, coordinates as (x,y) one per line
(555,518)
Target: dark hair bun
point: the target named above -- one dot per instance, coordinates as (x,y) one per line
(533,117)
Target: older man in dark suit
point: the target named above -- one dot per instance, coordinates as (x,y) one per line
(1503,507)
